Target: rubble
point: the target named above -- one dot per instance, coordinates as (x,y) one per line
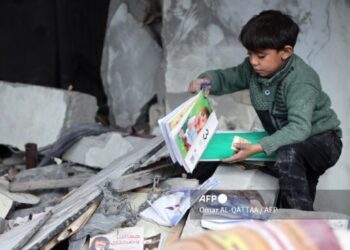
(98,151)
(51,110)
(93,179)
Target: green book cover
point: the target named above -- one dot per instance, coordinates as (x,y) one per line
(220,144)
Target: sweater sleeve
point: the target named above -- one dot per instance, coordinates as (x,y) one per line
(229,80)
(301,101)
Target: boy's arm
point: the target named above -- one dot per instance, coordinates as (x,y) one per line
(301,101)
(228,80)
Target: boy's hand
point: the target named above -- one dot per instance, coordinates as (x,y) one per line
(197,84)
(244,151)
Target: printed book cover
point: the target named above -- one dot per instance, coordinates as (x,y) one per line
(221,145)
(188,129)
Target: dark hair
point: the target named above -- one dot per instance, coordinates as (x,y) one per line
(271,29)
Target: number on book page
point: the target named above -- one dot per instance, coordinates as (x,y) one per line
(205,134)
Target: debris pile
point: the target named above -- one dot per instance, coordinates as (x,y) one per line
(67,182)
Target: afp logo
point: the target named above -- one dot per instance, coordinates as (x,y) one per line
(212,198)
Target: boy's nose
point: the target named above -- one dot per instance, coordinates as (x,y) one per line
(253,60)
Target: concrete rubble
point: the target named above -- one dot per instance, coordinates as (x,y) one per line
(98,151)
(92,179)
(39,114)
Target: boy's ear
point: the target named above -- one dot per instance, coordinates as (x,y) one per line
(286,52)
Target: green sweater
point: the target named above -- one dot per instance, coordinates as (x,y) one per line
(293,99)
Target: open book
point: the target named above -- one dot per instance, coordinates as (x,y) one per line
(188,129)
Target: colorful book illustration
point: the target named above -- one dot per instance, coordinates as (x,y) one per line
(222,143)
(188,129)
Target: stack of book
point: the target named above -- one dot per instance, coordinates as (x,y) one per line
(188,129)
(190,134)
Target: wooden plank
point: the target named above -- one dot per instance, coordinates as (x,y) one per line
(145,177)
(72,228)
(70,209)
(21,186)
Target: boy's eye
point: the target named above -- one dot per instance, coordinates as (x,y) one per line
(258,55)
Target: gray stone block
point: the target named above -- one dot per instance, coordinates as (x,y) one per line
(39,114)
(98,151)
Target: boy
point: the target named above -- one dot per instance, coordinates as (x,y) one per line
(287,96)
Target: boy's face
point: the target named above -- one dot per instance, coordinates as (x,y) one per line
(266,62)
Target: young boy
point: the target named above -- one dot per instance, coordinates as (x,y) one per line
(287,96)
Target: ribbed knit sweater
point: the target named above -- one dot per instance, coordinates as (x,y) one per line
(292,99)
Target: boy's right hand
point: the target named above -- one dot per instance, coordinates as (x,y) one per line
(196,85)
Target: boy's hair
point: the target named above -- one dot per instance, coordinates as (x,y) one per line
(271,29)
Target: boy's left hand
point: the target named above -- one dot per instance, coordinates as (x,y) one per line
(244,151)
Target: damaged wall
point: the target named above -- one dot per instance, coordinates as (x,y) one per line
(201,35)
(130,65)
(53,43)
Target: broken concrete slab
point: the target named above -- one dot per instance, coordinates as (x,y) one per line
(53,172)
(130,64)
(22,198)
(51,177)
(39,114)
(98,151)
(138,143)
